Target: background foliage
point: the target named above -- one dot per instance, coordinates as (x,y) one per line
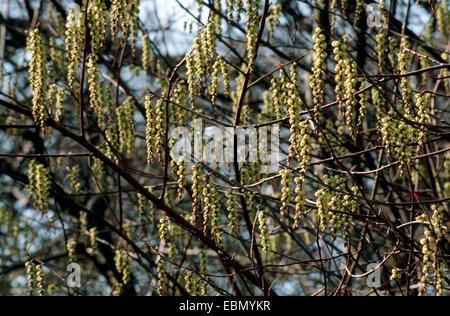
(360,95)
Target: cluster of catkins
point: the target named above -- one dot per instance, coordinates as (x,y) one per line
(155,128)
(36,278)
(235,6)
(433,265)
(211,212)
(336,207)
(125,18)
(203,62)
(194,285)
(39,185)
(346,84)
(123,265)
(145,205)
(300,144)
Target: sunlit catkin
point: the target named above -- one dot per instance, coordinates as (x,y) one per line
(197,189)
(37,70)
(317,79)
(98,24)
(60,95)
(150,130)
(40,278)
(285,190)
(403,62)
(95,90)
(31,275)
(74,43)
(252,28)
(39,184)
(162,275)
(263,228)
(233,220)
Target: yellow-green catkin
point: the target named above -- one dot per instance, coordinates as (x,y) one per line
(211,212)
(285,190)
(317,79)
(404,64)
(37,70)
(396,274)
(146,53)
(159,123)
(197,190)
(264,230)
(133,21)
(31,275)
(98,167)
(273,20)
(123,265)
(150,129)
(179,105)
(253,7)
(95,90)
(275,88)
(74,176)
(233,219)
(363,101)
(93,233)
(204,291)
(127,128)
(71,250)
(74,43)
(346,84)
(39,185)
(117,15)
(60,95)
(142,205)
(381,46)
(433,263)
(164,228)
(443,18)
(300,199)
(299,140)
(335,206)
(181,165)
(192,79)
(214,86)
(162,276)
(423,117)
(192,284)
(112,141)
(226,76)
(40,278)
